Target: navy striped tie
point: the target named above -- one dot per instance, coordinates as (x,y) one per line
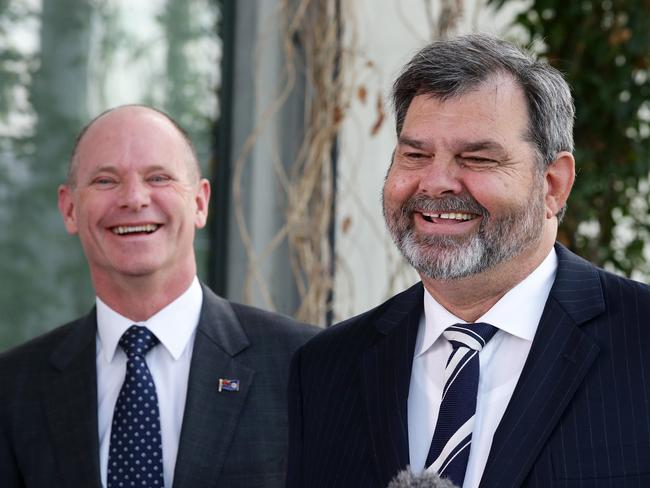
(449,451)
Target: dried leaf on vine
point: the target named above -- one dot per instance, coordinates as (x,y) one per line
(339,114)
(381,115)
(346,224)
(362,94)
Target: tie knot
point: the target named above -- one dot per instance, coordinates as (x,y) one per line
(137,341)
(472,336)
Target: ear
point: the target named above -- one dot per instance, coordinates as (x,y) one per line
(559,176)
(202,199)
(67,209)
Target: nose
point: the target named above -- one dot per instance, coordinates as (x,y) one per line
(135,194)
(441,177)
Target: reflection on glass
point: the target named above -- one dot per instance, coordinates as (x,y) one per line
(62,63)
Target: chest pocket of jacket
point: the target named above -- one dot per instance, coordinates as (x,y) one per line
(602,462)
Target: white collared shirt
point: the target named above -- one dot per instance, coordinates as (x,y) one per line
(169,363)
(517,316)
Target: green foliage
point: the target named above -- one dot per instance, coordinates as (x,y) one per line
(45,90)
(603,48)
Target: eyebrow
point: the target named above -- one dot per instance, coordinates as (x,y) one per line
(109,168)
(106,168)
(407,141)
(484,145)
(462,146)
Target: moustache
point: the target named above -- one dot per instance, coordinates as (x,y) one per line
(461,203)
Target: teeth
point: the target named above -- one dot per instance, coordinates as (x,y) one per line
(123,229)
(449,216)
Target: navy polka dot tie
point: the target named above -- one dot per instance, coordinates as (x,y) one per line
(452,438)
(135,451)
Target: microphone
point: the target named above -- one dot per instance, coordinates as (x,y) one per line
(407,479)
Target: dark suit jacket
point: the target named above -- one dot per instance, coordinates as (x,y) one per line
(579,416)
(48,403)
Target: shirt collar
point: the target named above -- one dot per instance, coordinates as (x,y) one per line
(508,314)
(174,325)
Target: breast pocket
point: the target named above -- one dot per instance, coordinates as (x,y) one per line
(611,466)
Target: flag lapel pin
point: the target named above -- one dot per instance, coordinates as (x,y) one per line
(228,385)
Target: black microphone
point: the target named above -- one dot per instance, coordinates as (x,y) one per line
(407,479)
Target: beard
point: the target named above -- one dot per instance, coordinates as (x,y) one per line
(497,240)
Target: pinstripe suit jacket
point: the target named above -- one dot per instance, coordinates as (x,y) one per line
(579,416)
(48,403)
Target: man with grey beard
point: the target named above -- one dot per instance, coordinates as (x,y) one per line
(513,362)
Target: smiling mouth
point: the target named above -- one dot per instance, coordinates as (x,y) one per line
(122,230)
(450,216)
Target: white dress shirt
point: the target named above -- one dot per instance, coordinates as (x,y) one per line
(516,315)
(169,363)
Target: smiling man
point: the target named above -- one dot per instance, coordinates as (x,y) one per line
(513,362)
(163,383)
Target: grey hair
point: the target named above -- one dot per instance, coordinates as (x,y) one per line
(450,68)
(193,165)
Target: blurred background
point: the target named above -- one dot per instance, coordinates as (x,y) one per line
(286,101)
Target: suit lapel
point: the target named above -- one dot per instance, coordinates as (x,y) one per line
(559,359)
(386,372)
(211,416)
(70,394)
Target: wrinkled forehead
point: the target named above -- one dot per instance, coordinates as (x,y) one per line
(125,126)
(133,135)
(498,97)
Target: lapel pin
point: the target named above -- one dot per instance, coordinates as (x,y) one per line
(228,385)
